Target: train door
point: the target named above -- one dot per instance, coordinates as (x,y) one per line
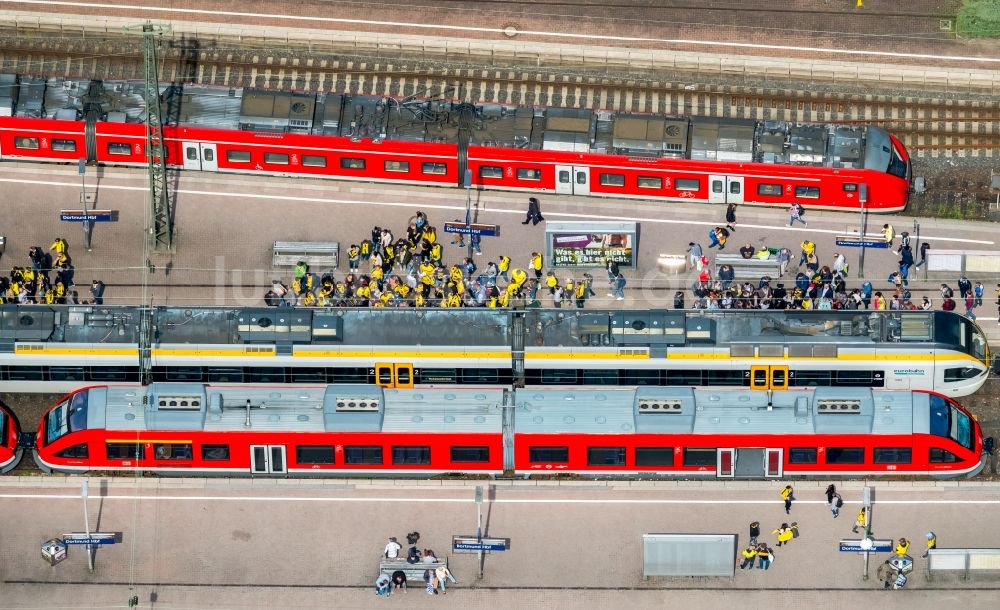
(572,180)
(390,375)
(199,156)
(725,463)
(773,463)
(267,459)
(725,189)
(769,377)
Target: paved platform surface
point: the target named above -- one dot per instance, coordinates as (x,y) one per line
(291,544)
(226,225)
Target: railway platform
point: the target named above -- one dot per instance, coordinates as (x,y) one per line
(225,543)
(226,226)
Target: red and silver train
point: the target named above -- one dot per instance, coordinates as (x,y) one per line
(515,148)
(338,430)
(10,432)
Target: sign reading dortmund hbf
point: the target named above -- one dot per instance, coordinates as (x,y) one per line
(591,244)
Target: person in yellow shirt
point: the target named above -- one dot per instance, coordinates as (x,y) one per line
(551,282)
(902,547)
(503,266)
(59,246)
(519,276)
(536,264)
(808,248)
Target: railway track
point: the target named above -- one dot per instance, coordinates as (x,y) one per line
(929,126)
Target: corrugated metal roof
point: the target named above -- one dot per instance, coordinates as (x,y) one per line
(443,411)
(579,411)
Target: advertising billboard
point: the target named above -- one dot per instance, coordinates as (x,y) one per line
(591,244)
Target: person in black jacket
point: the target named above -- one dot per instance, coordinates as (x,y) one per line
(534,212)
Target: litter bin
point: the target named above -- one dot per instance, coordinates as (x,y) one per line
(3,244)
(53,551)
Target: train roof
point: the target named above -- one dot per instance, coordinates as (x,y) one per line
(742,332)
(440,120)
(334,408)
(665,410)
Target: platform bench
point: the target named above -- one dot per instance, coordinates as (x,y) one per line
(962,560)
(749,268)
(414,571)
(318,254)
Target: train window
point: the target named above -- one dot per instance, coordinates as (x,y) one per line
(208,153)
(172,451)
(893,455)
(476,455)
(126,451)
(807,192)
(682,377)
(225,375)
(650,182)
(850,187)
(769,190)
(605,456)
(313,161)
(66,373)
(434,168)
(308,375)
(639,376)
(183,373)
(238,156)
(809,379)
(28,143)
(600,377)
(845,455)
(581,177)
(266,374)
(314,454)
(700,456)
(215,453)
(564,176)
(25,373)
(63,145)
(548,454)
(735,187)
(490,171)
(654,456)
(352,163)
(687,184)
(480,376)
(960,374)
(411,455)
(942,456)
(529,173)
(717,186)
(276,158)
(362,454)
(348,374)
(76,451)
(558,376)
(727,377)
(861,379)
(119,148)
(396,166)
(192,153)
(112,373)
(612,179)
(801,455)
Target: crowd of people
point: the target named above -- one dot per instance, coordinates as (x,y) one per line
(411,271)
(47,280)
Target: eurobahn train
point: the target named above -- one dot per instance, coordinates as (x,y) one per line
(10,432)
(60,348)
(432,142)
(337,430)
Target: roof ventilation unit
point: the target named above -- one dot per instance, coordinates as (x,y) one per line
(850,407)
(179,403)
(358,404)
(653,405)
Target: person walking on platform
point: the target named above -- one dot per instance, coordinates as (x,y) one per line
(784,533)
(888,233)
(534,212)
(931,543)
(835,504)
(731,217)
(754,532)
(694,254)
(536,264)
(748,556)
(788,495)
(886,574)
(764,555)
(795,213)
(902,547)
(861,521)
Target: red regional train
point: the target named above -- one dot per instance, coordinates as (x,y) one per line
(10,432)
(338,430)
(429,142)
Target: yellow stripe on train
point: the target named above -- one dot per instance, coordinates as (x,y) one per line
(55,350)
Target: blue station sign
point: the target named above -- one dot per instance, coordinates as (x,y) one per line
(472,543)
(856,242)
(94,538)
(89,216)
(858,546)
(482,230)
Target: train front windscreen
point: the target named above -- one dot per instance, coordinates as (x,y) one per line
(948,421)
(68,416)
(962,334)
